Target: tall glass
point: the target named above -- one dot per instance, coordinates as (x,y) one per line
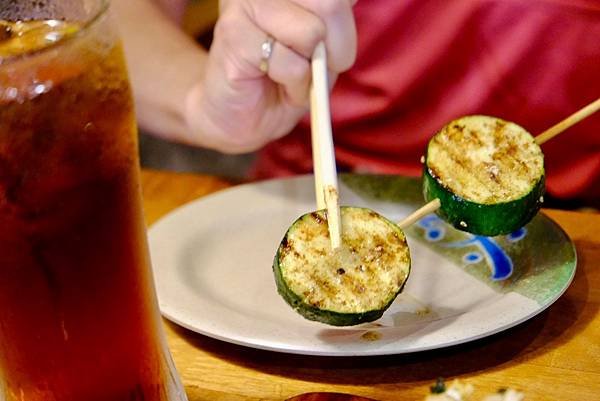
(78,314)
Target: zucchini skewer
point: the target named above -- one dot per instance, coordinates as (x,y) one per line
(485,207)
(352,284)
(328,276)
(487,173)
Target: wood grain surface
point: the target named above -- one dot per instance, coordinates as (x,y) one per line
(554,356)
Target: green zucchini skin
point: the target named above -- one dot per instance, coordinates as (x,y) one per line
(328,316)
(482,219)
(464,146)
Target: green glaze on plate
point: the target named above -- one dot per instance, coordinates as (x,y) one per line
(543,258)
(390,188)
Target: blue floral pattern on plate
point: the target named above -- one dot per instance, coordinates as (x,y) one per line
(500,263)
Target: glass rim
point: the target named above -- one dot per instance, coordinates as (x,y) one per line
(103,8)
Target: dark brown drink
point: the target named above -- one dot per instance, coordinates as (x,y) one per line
(78,316)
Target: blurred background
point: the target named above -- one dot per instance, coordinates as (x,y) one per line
(158,154)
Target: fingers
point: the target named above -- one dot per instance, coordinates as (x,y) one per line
(289,23)
(340,30)
(241,50)
(238,106)
(300,24)
(292,71)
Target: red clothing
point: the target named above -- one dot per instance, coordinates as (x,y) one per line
(422,63)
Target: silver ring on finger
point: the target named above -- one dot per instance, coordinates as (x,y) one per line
(266,50)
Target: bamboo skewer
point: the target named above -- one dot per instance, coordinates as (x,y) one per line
(568,122)
(325,171)
(419,213)
(540,139)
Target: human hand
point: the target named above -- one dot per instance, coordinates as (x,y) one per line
(237,107)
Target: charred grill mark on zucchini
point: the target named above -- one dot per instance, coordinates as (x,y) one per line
(350,285)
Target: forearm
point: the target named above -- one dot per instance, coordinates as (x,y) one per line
(164,63)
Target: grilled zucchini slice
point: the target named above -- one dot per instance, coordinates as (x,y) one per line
(353,284)
(487,173)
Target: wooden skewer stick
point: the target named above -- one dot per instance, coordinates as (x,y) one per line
(568,122)
(326,188)
(541,138)
(419,213)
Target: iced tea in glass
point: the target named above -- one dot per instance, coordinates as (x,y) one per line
(78,315)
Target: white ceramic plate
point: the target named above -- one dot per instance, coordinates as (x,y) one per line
(213,260)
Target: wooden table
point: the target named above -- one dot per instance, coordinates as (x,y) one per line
(558,351)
